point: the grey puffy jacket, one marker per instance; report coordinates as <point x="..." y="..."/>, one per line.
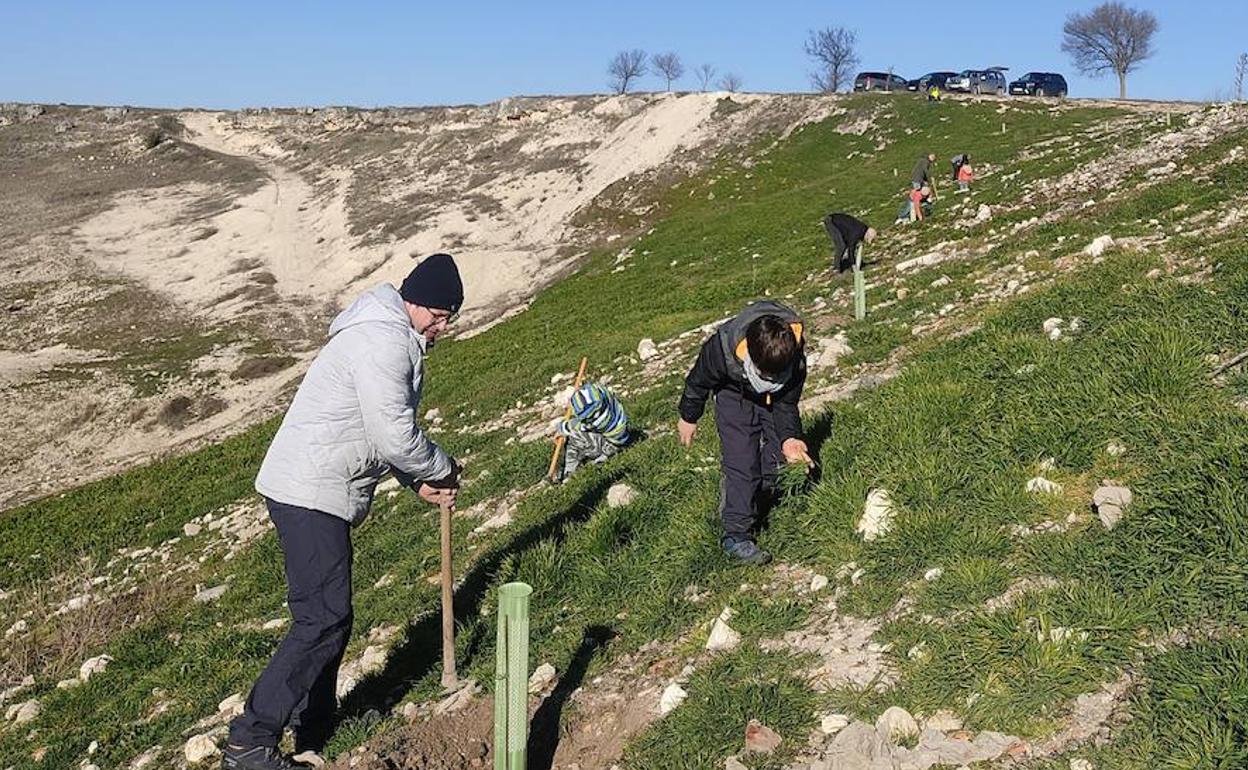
<point x="354" y="415"/>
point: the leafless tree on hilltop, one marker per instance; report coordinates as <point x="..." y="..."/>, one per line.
<point x="669" y="66"/>
<point x="730" y="82"/>
<point x="705" y="74"/>
<point x="1241" y="69"/>
<point x="626" y="67"/>
<point x="1110" y="37"/>
<point x="833" y="49"/>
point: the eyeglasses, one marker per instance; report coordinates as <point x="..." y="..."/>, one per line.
<point x="443" y="315"/>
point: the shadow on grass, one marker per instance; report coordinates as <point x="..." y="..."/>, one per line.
<point x="412" y="660"/>
<point x="544" y="727"/>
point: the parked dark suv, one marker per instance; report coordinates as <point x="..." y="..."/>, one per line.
<point x="937" y="79"/>
<point x="879" y="81"/>
<point x="1039" y="84"/>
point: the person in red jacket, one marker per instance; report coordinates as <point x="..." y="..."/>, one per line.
<point x="755" y="367"/>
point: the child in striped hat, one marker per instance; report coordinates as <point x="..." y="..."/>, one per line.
<point x="597" y="430"/>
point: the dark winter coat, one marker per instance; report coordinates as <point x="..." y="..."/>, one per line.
<point x="720" y="367"/>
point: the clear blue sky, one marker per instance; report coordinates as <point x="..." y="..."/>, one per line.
<point x="229" y="54"/>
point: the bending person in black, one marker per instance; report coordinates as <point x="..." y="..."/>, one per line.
<point x="846" y="233"/>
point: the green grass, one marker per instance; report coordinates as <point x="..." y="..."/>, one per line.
<point x="954" y="439"/>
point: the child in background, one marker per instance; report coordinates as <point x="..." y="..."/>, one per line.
<point x="597" y="429"/>
<point x="917" y="205"/>
<point x="966" y="175"/>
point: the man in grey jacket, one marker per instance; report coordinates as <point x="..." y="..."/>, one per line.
<point x="352" y="420"/>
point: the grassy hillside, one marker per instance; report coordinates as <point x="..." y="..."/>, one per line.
<point x="983" y="399"/>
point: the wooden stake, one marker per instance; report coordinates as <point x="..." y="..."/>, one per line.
<point x="554" y="456"/>
<point x="449" y="678"/>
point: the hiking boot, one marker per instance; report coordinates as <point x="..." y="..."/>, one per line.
<point x="257" y="758"/>
<point x="745" y="551"/>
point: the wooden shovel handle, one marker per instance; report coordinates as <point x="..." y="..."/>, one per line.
<point x="554" y="456"/>
<point x="449" y="678"/>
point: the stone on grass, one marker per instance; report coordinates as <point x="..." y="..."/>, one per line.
<point x="210" y="594"/>
<point x="933" y="574"/>
<point x="833" y="723"/>
<point x="191" y="529"/>
<point x="20" y="713"/>
<point x="1109" y="501"/>
<point x="646" y="349"/>
<point x="231" y="706"/>
<point x="877" y="515"/>
<point x="93" y="666"/>
<point x="620" y="495"/>
<point x="732" y="763"/>
<point x="1043" y="486"/>
<point x="818" y="583"/>
<point x="274" y="624"/>
<point x="200" y="748"/>
<point x="1081" y="764"/>
<point x="1115" y="449"/>
<point x="830" y="351"/>
<point x="1098" y="245"/>
<point x="944" y="721"/>
<point x="761" y="739"/>
<point x="723" y="637"/>
<point x="896" y="724"/>
<point x="672" y="696"/>
<point x="983" y="213"/>
<point x="309" y="758"/>
<point x="542" y="677"/>
<point x="68" y="684"/>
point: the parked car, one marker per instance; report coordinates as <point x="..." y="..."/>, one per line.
<point x="879" y="81"/>
<point x="987" y="81"/>
<point x="937" y="79"/>
<point x="1039" y="84"/>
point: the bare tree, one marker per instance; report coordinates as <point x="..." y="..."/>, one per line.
<point x="669" y="66"/>
<point x="833" y="49"/>
<point x="705" y="74"/>
<point x="1111" y="37"/>
<point x="1241" y="69"/>
<point x="626" y="67"/>
<point x="730" y="82"/>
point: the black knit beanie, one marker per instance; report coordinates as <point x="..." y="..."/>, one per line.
<point x="434" y="283"/>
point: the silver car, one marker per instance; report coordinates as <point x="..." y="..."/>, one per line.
<point x="988" y="81"/>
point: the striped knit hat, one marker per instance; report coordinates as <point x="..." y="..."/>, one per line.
<point x="596" y="409"/>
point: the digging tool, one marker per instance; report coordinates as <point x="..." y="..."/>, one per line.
<point x="559" y="440"/>
<point x="860" y="286"/>
<point x="511" y="677"/>
<point x="449" y="679"/>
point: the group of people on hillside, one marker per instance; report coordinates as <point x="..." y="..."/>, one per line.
<point x="922" y="193"/>
<point x="354" y="419"/>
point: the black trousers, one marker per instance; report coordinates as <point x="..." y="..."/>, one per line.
<point x="750" y="460"/>
<point x="296" y="689"/>
<point x="841" y="255"/>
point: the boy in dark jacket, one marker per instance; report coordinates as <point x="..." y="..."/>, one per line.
<point x="755" y="367"/>
<point x="846" y="233"/>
